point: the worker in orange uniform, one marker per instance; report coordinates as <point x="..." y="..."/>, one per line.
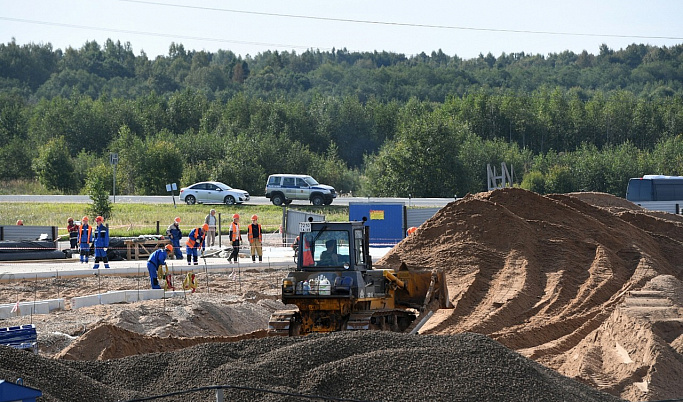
<point x="411" y="230"/>
<point x="255" y="236"/>
<point x="235" y="238"/>
<point x="308" y="251"/>
<point x="195" y="240"/>
<point x="84" y="239"/>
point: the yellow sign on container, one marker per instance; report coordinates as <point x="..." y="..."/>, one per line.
<point x="377" y="215"/>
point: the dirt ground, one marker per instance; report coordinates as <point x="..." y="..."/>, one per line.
<point x="229" y="307"/>
<point x="586" y="284"/>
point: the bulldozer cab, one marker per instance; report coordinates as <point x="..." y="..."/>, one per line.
<point x="333" y="246"/>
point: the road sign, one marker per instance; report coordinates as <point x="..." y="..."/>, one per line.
<point x="114" y="159"/>
<point x="170" y="188"/>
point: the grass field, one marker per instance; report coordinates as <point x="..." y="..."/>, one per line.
<point x="136" y="219"/>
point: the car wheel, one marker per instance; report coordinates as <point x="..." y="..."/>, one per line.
<point x="278" y="199"/>
<point x="229" y="200"/>
<point x="190" y="200"/>
<point x="317" y="200"/>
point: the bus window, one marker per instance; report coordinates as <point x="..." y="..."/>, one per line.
<point x="665" y="192"/>
<point x="639" y="190"/>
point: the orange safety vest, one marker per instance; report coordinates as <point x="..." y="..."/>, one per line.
<point x="235" y="232"/>
<point x="251" y="235"/>
<point x="80" y="232"/>
<point x="191" y="242"/>
<point x="308" y="254"/>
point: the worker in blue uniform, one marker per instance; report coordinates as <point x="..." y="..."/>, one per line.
<point x="101" y="242"/>
<point x="156" y="260"/>
<point x="175" y="234"/>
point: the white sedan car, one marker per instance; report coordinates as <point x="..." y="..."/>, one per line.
<point x="212" y="192"/>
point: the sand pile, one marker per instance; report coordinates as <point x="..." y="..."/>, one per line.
<point x="552" y="277"/>
<point x="108" y="341"/>
<point x="368" y="366"/>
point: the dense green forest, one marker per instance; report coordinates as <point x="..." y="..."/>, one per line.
<point x="377" y="124"/>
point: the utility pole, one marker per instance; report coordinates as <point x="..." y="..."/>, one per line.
<point x="114" y="160"/>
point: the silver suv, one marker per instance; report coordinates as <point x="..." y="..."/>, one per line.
<point x="284" y="188"/>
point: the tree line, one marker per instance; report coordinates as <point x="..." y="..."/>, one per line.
<point x="368" y="123"/>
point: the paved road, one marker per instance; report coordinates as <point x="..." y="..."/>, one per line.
<point x="135" y="199"/>
<point x="281" y="258"/>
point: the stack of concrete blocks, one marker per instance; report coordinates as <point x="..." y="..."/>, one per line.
<point x="29" y="308"/>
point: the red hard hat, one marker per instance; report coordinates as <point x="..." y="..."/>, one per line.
<point x="85" y="219"/>
<point x="236" y="216"/>
<point x="169" y="248"/>
<point x="177" y="219"/>
<point x="99" y="219"/>
<point x="205" y="227"/>
<point x="254" y="217"/>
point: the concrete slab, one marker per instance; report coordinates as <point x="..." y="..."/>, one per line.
<point x="6" y="311"/>
<point x="56" y="304"/>
<point x="113" y="297"/>
<point x="85" y="301"/>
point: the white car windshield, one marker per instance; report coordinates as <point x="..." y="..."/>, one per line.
<point x="311" y="181"/>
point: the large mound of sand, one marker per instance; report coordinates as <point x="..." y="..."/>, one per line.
<point x="552" y="277"/>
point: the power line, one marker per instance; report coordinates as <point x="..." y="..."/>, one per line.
<point x="451" y="27"/>
<point x="257" y="390"/>
<point x="162" y="35"/>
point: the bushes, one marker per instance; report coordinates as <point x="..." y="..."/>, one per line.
<point x="55" y="168"/>
<point x="97" y="186"/>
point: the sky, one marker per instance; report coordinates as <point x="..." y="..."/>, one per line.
<point x="462" y="28"/>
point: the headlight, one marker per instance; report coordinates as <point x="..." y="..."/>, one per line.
<point x="287" y="285"/>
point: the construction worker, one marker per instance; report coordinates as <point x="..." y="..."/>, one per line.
<point x="235" y="237"/>
<point x="156" y="260"/>
<point x="411" y="230"/>
<point x="20" y="222"/>
<point x="73" y="233"/>
<point x="101" y="242"/>
<point x="212" y="222"/>
<point x="308" y="251"/>
<point x="255" y="236"/>
<point x="175" y="234"/>
<point x="295" y="244"/>
<point x="195" y="240"/>
<point x="84" y="239"/>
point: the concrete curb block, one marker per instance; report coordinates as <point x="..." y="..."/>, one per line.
<point x="24" y="308"/>
<point x="123" y="296"/>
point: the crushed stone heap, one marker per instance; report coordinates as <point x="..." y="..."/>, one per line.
<point x="583" y="283"/>
<point x="367" y="365"/>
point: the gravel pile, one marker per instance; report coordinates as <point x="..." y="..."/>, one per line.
<point x="374" y="366"/>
